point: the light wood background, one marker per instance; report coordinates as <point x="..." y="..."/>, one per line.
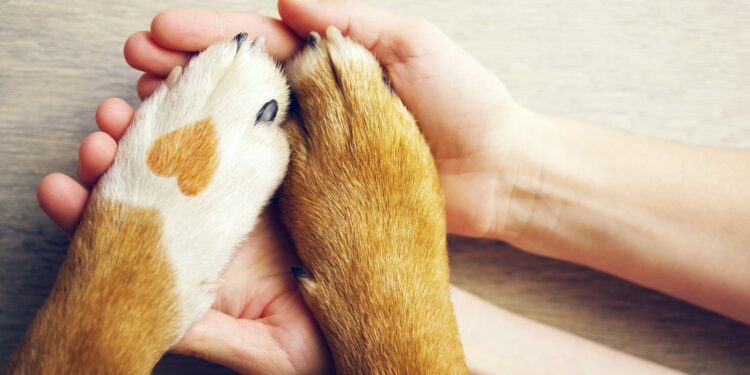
<point x="673" y="69"/>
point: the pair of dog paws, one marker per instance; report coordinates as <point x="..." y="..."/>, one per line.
<point x="210" y="147"/>
<point x="204" y="154"/>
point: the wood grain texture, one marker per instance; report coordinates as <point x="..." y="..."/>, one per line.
<point x="672" y="69"/>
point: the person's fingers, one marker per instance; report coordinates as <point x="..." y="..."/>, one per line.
<point x="192" y="30"/>
<point x="387" y="35"/>
<point x="62" y="199"/>
<point x="246" y="346"/>
<point x="113" y="116"/>
<point x="96" y="154"/>
<point x="147" y="84"/>
<point x="143" y="53"/>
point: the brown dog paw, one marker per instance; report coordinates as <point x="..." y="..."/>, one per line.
<point x="363" y="205"/>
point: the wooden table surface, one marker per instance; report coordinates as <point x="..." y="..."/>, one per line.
<point x="673" y="69"/>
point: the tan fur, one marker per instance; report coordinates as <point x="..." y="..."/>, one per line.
<point x="363" y="205"/>
<point x="93" y="324"/>
<point x="188" y="154"/>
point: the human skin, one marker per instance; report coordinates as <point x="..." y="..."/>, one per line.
<point x="549" y="186"/>
<point x="668" y="216"/>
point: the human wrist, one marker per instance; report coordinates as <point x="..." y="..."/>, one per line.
<point x="517" y="171"/>
<point x="562" y="186"/>
<point x="544" y="170"/>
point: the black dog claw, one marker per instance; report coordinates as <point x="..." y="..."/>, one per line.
<point x="313" y="39"/>
<point x="240" y="38"/>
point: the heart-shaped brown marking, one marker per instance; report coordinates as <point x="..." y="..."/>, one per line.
<point x="188" y="154"/>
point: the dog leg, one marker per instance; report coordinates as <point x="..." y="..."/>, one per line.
<point x="203" y="156"/>
<point x="363" y="205"/>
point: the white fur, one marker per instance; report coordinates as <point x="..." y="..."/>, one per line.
<point x="201" y="232"/>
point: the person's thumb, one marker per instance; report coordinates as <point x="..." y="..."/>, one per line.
<point x="385" y="34"/>
<point x="245" y="346"/>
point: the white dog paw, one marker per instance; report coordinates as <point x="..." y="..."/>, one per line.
<point x="206" y="152"/>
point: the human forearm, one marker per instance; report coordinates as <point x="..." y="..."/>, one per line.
<point x="664" y="215"/>
<point x="497" y="341"/>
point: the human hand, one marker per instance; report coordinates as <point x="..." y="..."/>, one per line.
<point x="431" y="74"/>
<point x="258" y="323"/>
<point x="463" y="110"/>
